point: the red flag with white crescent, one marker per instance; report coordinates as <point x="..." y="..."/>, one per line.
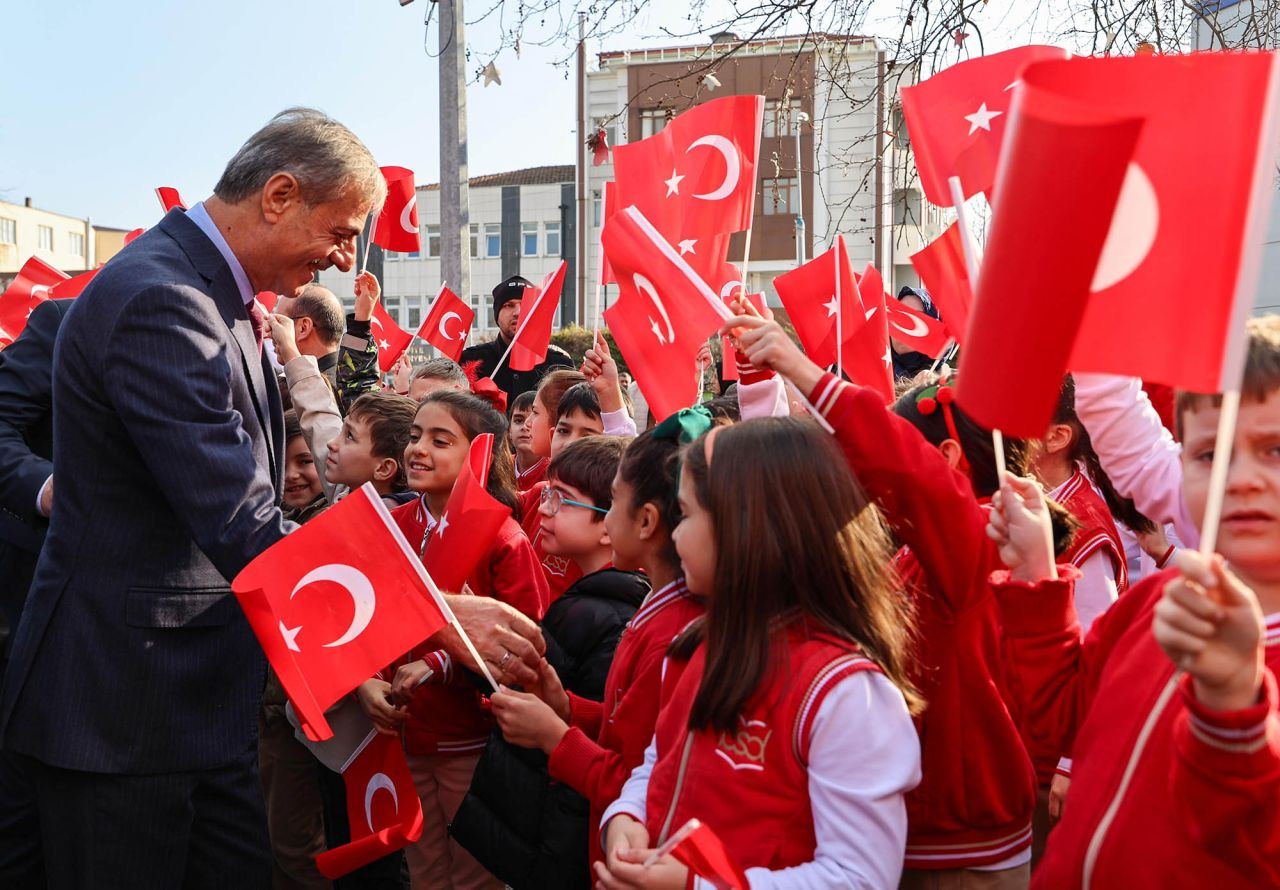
<point x="867" y="360"/>
<point x="819" y="296"/>
<point x="915" y="330"/>
<point x="1136" y="285"/>
<point x="392" y="340"/>
<point x="942" y="268"/>
<point x="537" y="314"/>
<point x="469" y="522"/>
<point x="664" y="313"/>
<point x="397" y="225"/>
<point x="33" y="284"/>
<point x="383" y="807"/>
<point x="957" y="119"/>
<point x="448" y="323"/>
<point x="337" y="600"/>
<point x="169" y="198"/>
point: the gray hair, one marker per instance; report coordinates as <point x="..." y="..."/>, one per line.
<point x="442" y="369"/>
<point x="326" y="158"/>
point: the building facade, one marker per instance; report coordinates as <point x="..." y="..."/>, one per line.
<point x="70" y="244"/>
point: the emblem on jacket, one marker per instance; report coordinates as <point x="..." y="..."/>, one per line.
<point x="745" y="749"/>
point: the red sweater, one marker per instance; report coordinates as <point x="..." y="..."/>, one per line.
<point x="598" y="769"/>
<point x="973" y="806"/>
<point x="561" y="572"/>
<point x="751" y="787"/>
<point x="445" y="714"/>
<point x="1164" y="792"/>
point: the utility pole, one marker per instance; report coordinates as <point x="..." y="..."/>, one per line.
<point x="584" y="224"/>
<point x="455" y="202"/>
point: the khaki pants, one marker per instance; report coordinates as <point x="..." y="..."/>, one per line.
<point x="967" y="879"/>
<point x="295" y="812"/>
<point x="436" y="861"/>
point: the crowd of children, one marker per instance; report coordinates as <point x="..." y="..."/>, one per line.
<point x="863" y="658"/>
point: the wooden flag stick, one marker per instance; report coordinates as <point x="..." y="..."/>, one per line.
<point x="942" y="356"/>
<point x="1218" y="472"/>
<point x="971" y="265"/>
<point x="674" y="841"/>
<point x="524" y="320"/>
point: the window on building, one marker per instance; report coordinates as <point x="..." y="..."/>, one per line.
<point x="597" y="208"/>
<point x="76" y="245"/>
<point x="433" y="240"/>
<point x="529" y="239"/>
<point x="415" y="317"/>
<point x="780" y="196"/>
<point x="475" y="240"/>
<point x="493" y="240"/>
<point x="45" y="237"/>
<point x="653" y="120"/>
<point x="898" y="123"/>
<point x="777" y="118"/>
<point x="8" y="231"/>
<point x="553" y="239"/>
<point x="390" y="256"/>
<point x="906" y="207"/>
<point x="478" y="307"/>
<point x="392" y="305"/>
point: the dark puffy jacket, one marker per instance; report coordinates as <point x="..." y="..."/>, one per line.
<point x="526" y="829"/>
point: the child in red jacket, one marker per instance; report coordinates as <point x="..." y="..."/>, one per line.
<point x="1175" y="775"/>
<point x="594" y="746"/>
<point x="926" y="466"/>
<point x="445" y="728"/>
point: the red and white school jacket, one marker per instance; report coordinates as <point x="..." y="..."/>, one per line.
<point x="809" y="791"/>
<point x="1164" y="792"/>
<point x="606" y="740"/>
<point x="445" y="714"/>
<point x="973" y="806"/>
<point x="527" y="479"/>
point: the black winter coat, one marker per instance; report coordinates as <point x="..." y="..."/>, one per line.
<point x="528" y="830"/>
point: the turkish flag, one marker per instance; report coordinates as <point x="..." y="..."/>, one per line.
<point x="169" y="198"/>
<point x="1117" y="148"/>
<point x="448" y="323"/>
<point x="469" y="523"/>
<point x="957" y="119"/>
<point x="130" y="237"/>
<point x="337" y="600"/>
<point x="72" y="287"/>
<point x="267" y="300"/>
<point x="867" y="360"/>
<point x="30" y="287"/>
<point x="397" y="224"/>
<point x="537" y="314"/>
<point x="704" y="853"/>
<point x="663" y="315"/>
<point x="382" y="807"/>
<point x="697" y="175"/>
<point x="941" y="266"/>
<point x="818" y="294"/>
<point x="392" y="339"/>
<point x="608" y="205"/>
<point x="915" y="330"/>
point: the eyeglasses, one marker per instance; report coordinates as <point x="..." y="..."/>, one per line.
<point x="553" y="499"/>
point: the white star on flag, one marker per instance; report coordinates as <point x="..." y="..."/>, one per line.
<point x="981" y="119"/>
<point x="831" y="307"/>
<point x="442" y="524"/>
<point x="673" y="184"/>
<point x="888" y="360"/>
<point x="383" y="344"/>
<point x="686" y="246"/>
<point x="657" y="331"/>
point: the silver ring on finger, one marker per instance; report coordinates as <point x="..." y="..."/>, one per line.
<point x="502" y="665"/>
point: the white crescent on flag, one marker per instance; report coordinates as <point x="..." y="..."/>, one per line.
<point x="917" y="329"/>
<point x="1134" y="224"/>
<point x="354" y="582"/>
<point x="729" y="289"/>
<point x="377" y="782"/>
<point x="406" y="216"/>
<point x="645" y="286"/>
<point x="444" y="333"/>
<point x="732" y="165"/>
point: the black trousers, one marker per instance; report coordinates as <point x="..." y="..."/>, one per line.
<point x="200" y="829"/>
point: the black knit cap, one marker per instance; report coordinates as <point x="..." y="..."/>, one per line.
<point x="511" y="289"/>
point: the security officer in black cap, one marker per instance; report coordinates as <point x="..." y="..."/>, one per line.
<point x="479" y="360"/>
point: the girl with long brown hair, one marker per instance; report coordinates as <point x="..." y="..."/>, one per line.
<point x="789" y="732"/>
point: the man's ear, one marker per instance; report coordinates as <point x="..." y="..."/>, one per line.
<point x="281" y="191"/>
<point x="302" y="328"/>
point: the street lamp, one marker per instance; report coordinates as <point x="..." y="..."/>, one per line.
<point x="800" y="118"/>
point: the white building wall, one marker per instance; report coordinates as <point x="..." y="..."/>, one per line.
<point x="24" y="224"/>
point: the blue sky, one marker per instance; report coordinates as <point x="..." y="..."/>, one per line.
<point x="105" y="101"/>
<point x="102" y="102"/>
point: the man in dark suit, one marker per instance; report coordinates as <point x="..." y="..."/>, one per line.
<point x="26" y="496"/>
<point x="134" y="680"/>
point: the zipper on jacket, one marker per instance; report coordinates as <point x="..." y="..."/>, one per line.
<point x="675" y="793"/>
<point x="1099" y="834"/>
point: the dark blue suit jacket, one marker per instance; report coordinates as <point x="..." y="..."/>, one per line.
<point x="26" y="450"/>
<point x="132" y="655"/>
